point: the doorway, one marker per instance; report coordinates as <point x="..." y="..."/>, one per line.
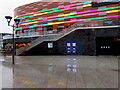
<point x="71" y="48"/>
<point x="107" y="46"/>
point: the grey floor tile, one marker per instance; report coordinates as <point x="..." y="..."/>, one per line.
<point x="52" y="72"/>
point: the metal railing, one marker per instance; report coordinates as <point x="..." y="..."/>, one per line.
<point x="49" y="37"/>
<point x="7" y="37"/>
<point x="36" y="42"/>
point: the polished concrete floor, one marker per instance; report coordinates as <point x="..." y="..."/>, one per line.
<point x="60" y="72"/>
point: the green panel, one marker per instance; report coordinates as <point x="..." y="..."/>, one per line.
<point x="48" y="9"/>
<point x="26" y="16"/>
<point x="36" y="19"/>
<point x="95" y="18"/>
<point x="67" y="17"/>
<point x="43" y="10"/>
<point x="56" y="11"/>
<point x="18" y="28"/>
<point x="77" y="16"/>
<point x="73" y="16"/>
<point x="53" y="8"/>
<point x="108" y="8"/>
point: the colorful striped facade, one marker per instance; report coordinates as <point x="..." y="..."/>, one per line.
<point x="43" y="17"/>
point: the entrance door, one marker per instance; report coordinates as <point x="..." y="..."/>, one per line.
<point x="107" y="46"/>
<point x="72" y="47"/>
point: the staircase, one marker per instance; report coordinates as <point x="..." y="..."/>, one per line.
<point x="48" y="37"/>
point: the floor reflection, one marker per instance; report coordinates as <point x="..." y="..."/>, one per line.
<point x="71" y="65"/>
<point x="60" y="72"/>
<point x="7" y="75"/>
<point x="0" y="75"/>
<point x="31" y="79"/>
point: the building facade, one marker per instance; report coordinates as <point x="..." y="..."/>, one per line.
<point x="58" y="17"/>
<point x="53" y="17"/>
<point x="4" y="36"/>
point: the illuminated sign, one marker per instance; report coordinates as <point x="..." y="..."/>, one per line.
<point x="71" y="65"/>
<point x="116" y="39"/>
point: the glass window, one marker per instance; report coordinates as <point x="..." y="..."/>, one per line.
<point x="60" y="26"/>
<point x="17" y="33"/>
<point x="35" y="8"/>
<point x="23" y="11"/>
<point x="73" y="12"/>
<point x="50" y="31"/>
<point x="55" y="0"/>
<point x="19" y="10"/>
<point x="39" y="28"/>
<point x="61" y="3"/>
<point x="73" y="1"/>
<point x="40" y="4"/>
<point x="31" y="7"/>
<point x="50" y="45"/>
<point x="49" y="2"/>
<point x="32" y="31"/>
<point x="26" y="32"/>
<point x="44" y="5"/>
<point x="36" y="31"/>
<point x="67" y="7"/>
<point x="27" y="7"/>
<point x="44" y="8"/>
<point x="60" y="13"/>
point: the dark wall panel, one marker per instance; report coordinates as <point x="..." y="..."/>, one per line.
<point x="85" y="39"/>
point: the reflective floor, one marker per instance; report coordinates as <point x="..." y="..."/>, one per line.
<point x="60" y="72"/>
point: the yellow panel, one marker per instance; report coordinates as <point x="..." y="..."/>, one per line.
<point x="37" y="14"/>
<point x="59" y="22"/>
<point x="67" y="14"/>
<point x="55" y="23"/>
<point x="40" y="13"/>
<point x="61" y="15"/>
<point x="70" y="14"/>
<point x="31" y="13"/>
<point x="15" y="17"/>
<point x="50" y="23"/>
<point x="29" y="23"/>
<point x="45" y="13"/>
<point x="113" y="11"/>
<point x="87" y="5"/>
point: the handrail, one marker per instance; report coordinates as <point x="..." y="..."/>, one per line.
<point x="45" y="38"/>
<point x="36" y="42"/>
